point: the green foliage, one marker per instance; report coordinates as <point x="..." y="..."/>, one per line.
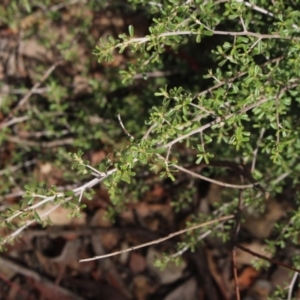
<point x="247" y="83"/>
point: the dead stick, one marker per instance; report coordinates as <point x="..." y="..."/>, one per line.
<point x="276" y="262"/>
<point x="160" y="240"/>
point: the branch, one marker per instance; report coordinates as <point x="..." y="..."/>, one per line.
<point x="143" y="40"/>
<point x="276" y="262"/>
<point x="158" y="241"/>
<point x="229" y="185"/>
<point x="222" y="119"/>
<point x="77" y="192"/>
<point x="262" y="132"/>
<point x="37" y="85"/>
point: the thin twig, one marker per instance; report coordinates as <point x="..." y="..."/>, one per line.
<point x="143" y="40"/>
<point x="243" y="24"/>
<point x="234" y="241"/>
<point x="273" y="261"/>
<point x="227" y="81"/>
<point x="37" y="85"/>
<point x="14" y="121"/>
<point x="18" y="167"/>
<point x="203" y="108"/>
<point x="155" y="74"/>
<point x="221" y="119"/>
<point x="55" y="143"/>
<point x="232" y="79"/>
<point x="291" y="286"/>
<point x="77" y="191"/>
<point x="228" y="185"/>
<point x="199" y="238"/>
<point x="63" y="5"/>
<point x="25" y="91"/>
<point x="146" y="135"/>
<point x="262" y="132"/>
<point x="264" y="11"/>
<point x="21" y="192"/>
<point x="39" y="134"/>
<point x="123" y="127"/>
<point x="80" y="196"/>
<point x="160" y="240"/>
<point x="235" y="274"/>
<point x="281" y="177"/>
<point x="259" y="9"/>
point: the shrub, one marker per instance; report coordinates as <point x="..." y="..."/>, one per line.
<point x="211" y="86"/>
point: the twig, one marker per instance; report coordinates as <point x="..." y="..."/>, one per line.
<point x="63" y="5"/>
<point x="203" y="108"/>
<point x="143" y="40"/>
<point x="123" y="127"/>
<point x="276" y="262"/>
<point x="76" y="191"/>
<point x="227" y="81"/>
<point x="199" y="238"/>
<point x="80" y="196"/>
<point x="146" y="135"/>
<point x="55" y="143"/>
<point x="234" y="241"/>
<point x="37" y="85"/>
<point x="262" y="132"/>
<point x="158" y="241"/>
<point x="264" y="11"/>
<point x="232" y="79"/>
<point x="281" y="177"/>
<point x="220" y="119"/>
<point x="39" y="134"/>
<point x="291" y="286"/>
<point x="31" y="222"/>
<point x="253" y="45"/>
<point x="154" y="74"/>
<point x="18" y="167"/>
<point x="259" y="9"/>
<point x="243" y="24"/>
<point x="229" y="185"/>
<point x="14" y="121"/>
<point x="21" y="192"/>
<point x="235" y="274"/>
<point x="25" y="91"/>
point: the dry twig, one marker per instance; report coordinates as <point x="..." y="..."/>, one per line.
<point x="160" y="240"/>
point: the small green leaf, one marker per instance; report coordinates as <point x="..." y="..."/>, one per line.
<point x="131" y="30"/>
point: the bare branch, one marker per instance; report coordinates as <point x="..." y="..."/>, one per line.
<point x="158" y="241"/>
<point x="268" y="259"/>
<point x="256" y="149"/>
<point x="228" y="185"/>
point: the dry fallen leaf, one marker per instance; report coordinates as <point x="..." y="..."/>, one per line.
<point x="247" y="277"/>
<point x="137" y="262"/>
